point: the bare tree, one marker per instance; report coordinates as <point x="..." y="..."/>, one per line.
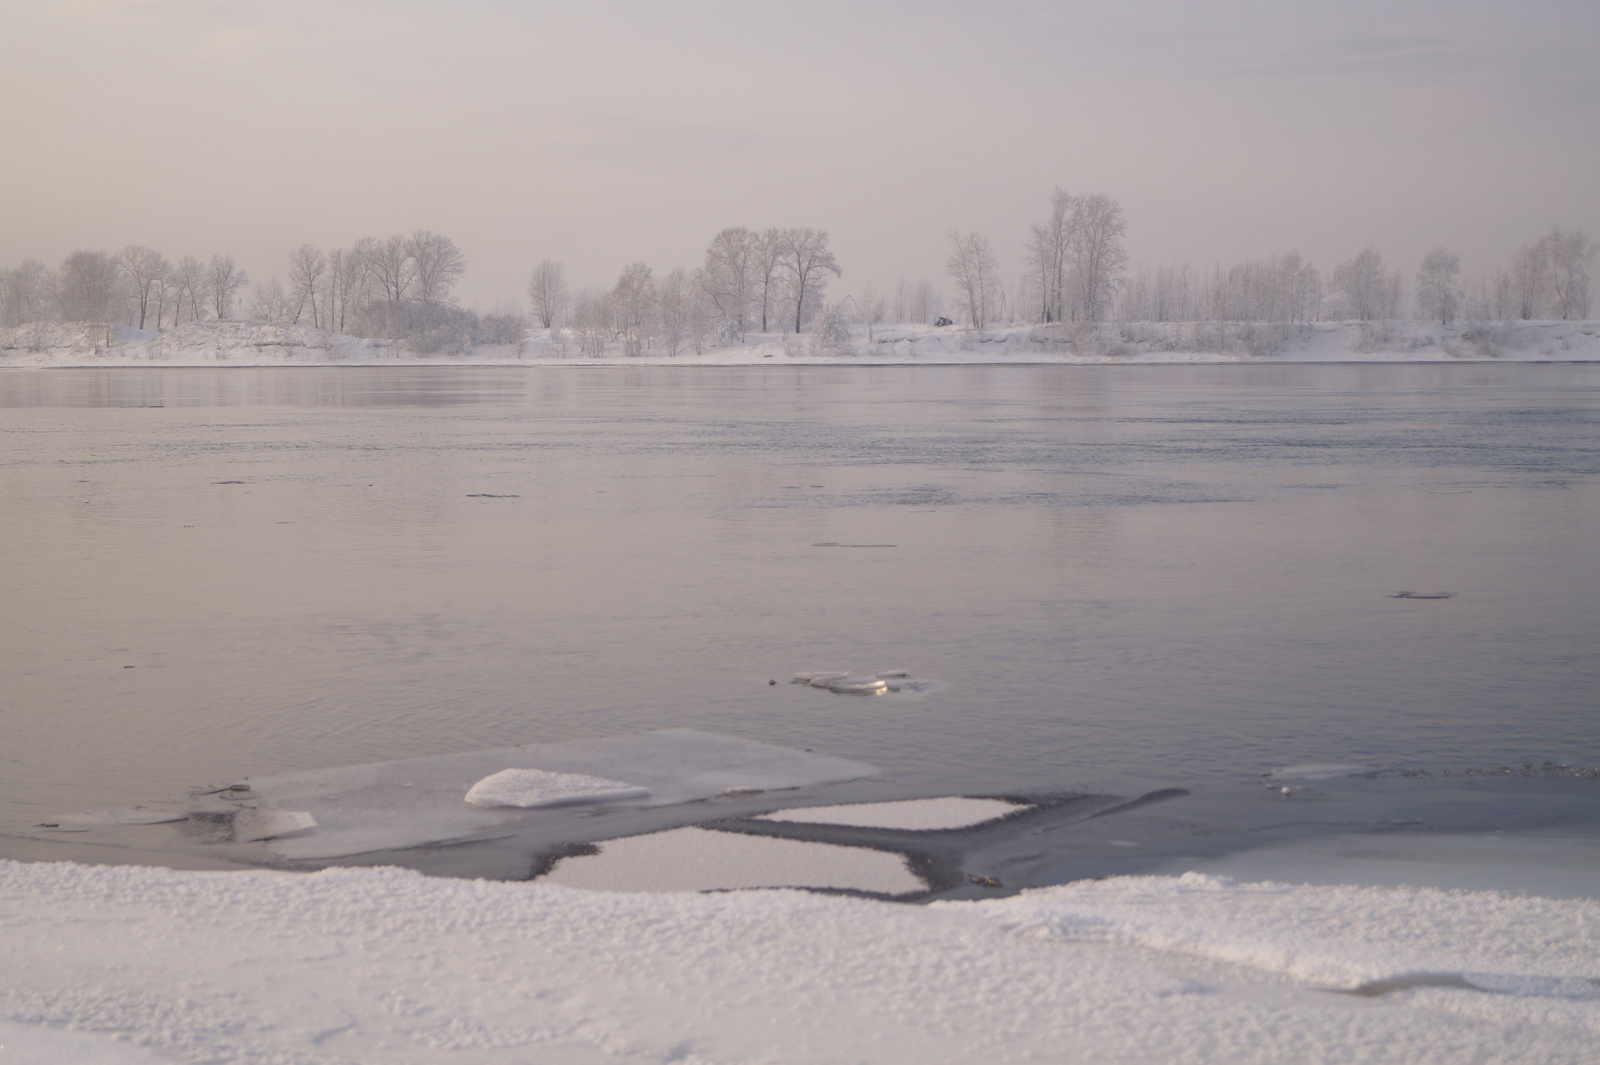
<point x="223" y="279"/>
<point x="547" y="292"/>
<point x="1369" y="293"/>
<point x="634" y="301"/>
<point x="806" y="261"/>
<point x="25" y="293"/>
<point x="1438" y="295"/>
<point x="1096" y="252"/>
<point x="766" y="273"/>
<point x="675" y="296"/>
<point x="307" y="267"/>
<point x="189" y="281"/>
<point x="89" y="287"/>
<point x="730" y="280"/>
<point x="437" y="264"/>
<point x="144" y="268"/>
<point x="973" y="267"/>
<point x="1570" y="253"/>
<point x="870" y="307"/>
<point x="592" y="319"/>
<point x="1046" y="257"/>
<point x="270" y="303"/>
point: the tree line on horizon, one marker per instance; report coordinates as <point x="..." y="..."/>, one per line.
<point x="775" y="281"/>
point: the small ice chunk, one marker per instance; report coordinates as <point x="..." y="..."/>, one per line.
<point x="256" y="823"/>
<point x="825" y="677"/>
<point x="913" y="814"/>
<point x="853" y="685"/>
<point x="893" y="674"/>
<point x="537" y="787"/>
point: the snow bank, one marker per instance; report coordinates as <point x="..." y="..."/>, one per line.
<point x="45" y="344"/>
<point x="381" y="965"/>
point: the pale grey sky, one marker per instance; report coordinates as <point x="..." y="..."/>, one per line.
<point x="605" y="131"/>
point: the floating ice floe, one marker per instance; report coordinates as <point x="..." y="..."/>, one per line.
<point x="418" y="801"/>
<point x="844" y="682"/>
<point x="699" y="859"/>
<point x="528" y="788"/>
<point x="912" y="814"/>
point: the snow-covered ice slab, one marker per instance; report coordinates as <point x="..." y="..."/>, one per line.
<point x="527" y="788"/>
<point x="417" y="801"/>
<point x="913" y="814"/>
<point x="698" y="859"/>
<point x="35" y="1044"/>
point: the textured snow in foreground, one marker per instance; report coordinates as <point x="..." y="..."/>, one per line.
<point x="382" y="965"/>
<point x="913" y="814"/>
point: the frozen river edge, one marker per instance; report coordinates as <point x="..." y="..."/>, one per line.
<point x="46" y="345"/>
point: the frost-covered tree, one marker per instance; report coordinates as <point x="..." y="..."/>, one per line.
<point x="1076" y="258"/>
<point x="1571" y="252"/>
<point x="436" y="265"/>
<point x="547" y="292"/>
<point x="1096" y="252"/>
<point x="976" y="272"/>
<point x="830" y="335"/>
<point x="592" y="320"/>
<point x="308" y="268"/>
<point x="189" y="285"/>
<point x="870" y="307"/>
<point x="633" y="301"/>
<point x="767" y="274"/>
<point x="1438" y="295"/>
<point x="89" y="287"/>
<point x="144" y="270"/>
<point x="1362" y="288"/>
<point x="806" y="262"/>
<point x="729" y="278"/>
<point x="270" y="303"/>
<point x="25" y="293"/>
<point x="223" y="280"/>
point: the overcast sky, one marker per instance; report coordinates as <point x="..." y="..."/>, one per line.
<point x="604" y="131"/>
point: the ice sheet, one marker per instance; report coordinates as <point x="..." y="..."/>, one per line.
<point x="390" y="805"/>
<point x="697" y="859"/>
<point x="35" y="1044"/>
<point x="915" y="814"/>
<point x="527" y="788"/>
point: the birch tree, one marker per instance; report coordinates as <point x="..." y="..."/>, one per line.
<point x="973" y="267"/>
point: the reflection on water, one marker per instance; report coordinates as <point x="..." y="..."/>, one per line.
<point x="1175" y="571"/>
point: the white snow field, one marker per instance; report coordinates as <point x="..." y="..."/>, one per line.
<point x="60" y="344"/>
<point x="116" y="964"/>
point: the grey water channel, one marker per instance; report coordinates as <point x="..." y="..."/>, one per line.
<point x="1180" y="575"/>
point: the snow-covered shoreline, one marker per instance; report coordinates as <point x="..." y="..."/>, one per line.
<point x="45" y="345"/>
<point x="386" y="965"/>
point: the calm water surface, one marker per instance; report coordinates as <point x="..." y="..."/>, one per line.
<point x="1176" y="572"/>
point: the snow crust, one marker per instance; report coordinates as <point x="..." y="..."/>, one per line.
<point x="913" y="814"/>
<point x="383" y="965"/>
<point x="44" y="344"/>
<point x="535" y="787"/>
<point x="698" y="859"/>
